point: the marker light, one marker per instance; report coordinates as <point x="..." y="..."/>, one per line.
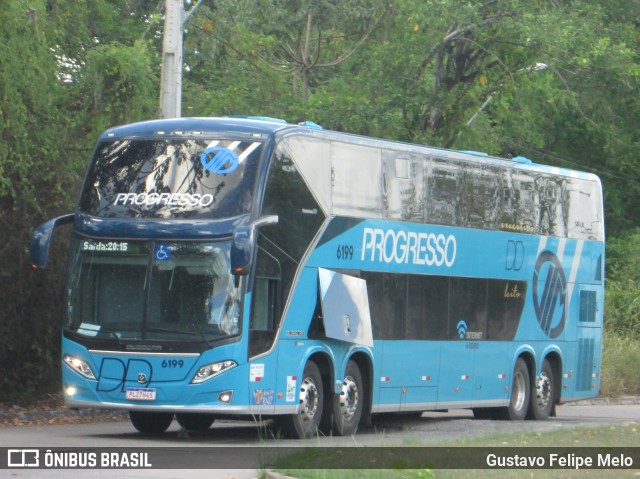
<point x="212" y="370"/>
<point x="80" y="366"/>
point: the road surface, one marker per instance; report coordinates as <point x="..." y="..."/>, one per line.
<point x="432" y="427"/>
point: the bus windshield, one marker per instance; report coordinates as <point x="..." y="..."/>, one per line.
<point x="137" y="290"/>
<point x="171" y="178"/>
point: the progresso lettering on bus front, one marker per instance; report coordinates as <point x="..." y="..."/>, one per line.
<point x="408" y="247"/>
<point x="163" y="199"/>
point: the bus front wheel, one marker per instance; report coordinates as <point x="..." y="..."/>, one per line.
<point x="348" y="405"/>
<point x="195" y="421"/>
<point x="151" y="422"/>
<point x="304" y="425"/>
<point x="520" y="393"/>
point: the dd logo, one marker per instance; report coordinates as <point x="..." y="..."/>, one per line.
<point x="515" y="255"/>
<point x="550" y="294"/>
<point x="116" y="373"/>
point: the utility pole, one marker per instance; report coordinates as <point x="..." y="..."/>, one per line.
<point x="171" y="76"/>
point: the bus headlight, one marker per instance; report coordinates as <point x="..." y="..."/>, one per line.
<point x="212" y="370"/>
<point x="79" y="365"/>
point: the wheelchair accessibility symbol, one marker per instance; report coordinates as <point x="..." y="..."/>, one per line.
<point x="162" y="252"/>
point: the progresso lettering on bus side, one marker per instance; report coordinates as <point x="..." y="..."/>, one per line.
<point x="408" y="247"/>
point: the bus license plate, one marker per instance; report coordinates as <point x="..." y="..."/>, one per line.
<point x="141" y="394"/>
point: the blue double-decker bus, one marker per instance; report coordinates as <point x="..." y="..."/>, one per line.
<point x="232" y="266"/>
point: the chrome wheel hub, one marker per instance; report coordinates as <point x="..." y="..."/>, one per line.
<point x="308" y="400"/>
<point x="349" y="398"/>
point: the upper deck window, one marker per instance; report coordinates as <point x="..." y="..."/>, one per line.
<point x="171" y="178"/>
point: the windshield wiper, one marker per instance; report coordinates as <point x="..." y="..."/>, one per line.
<point x="195" y="332"/>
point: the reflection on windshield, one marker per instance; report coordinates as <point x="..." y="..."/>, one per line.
<point x="152" y="291"/>
<point x="171" y="178"/>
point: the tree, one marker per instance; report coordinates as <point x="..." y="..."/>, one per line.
<point x="55" y="55"/>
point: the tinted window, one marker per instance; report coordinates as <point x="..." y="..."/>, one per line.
<point x="505" y="302"/>
<point x="280" y="247"/>
<point x="416" y="307"/>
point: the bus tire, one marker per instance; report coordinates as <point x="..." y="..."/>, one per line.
<point x="520" y="393"/>
<point x="196" y="421"/>
<point x="543" y="393"/>
<point x="304" y="425"/>
<point x="151" y="422"/>
<point x="349" y="404"/>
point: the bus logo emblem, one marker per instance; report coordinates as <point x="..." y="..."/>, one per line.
<point x="550" y="294"/>
<point x="462" y="329"/>
<point x="219" y="160"/>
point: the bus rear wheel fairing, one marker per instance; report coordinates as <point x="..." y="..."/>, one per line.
<point x="151" y="422"/>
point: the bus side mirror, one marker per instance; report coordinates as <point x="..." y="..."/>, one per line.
<point x="241" y="251"/>
<point x="243" y="238"/>
<point x="41" y="240"/>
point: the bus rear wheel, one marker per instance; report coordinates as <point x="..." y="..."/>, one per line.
<point x="304" y="425"/>
<point x="348" y="405"/>
<point x="520" y="394"/>
<point x="543" y="393"/>
<point x="151" y="422"/>
<point x="195" y="422"/>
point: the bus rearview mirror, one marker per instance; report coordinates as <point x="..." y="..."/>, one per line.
<point x="243" y="238"/>
<point x="41" y="240"/>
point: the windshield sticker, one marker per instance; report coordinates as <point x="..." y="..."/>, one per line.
<point x="221" y="160"/>
<point x="162" y="252"/>
<point x="256" y="372"/>
<point x="263" y="397"/>
<point x="87" y="329"/>
<point x="291" y="388"/>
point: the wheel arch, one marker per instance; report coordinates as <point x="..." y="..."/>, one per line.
<point x="364" y="361"/>
<point x="529" y="358"/>
<point x="554" y="357"/>
<point x="325" y="362"/>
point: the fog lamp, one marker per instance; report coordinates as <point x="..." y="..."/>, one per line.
<point x="225" y="397"/>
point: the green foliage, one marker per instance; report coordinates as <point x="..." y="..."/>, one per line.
<point x="620" y="359"/>
<point x="48" y="72"/>
<point x="622" y="313"/>
<point x="121" y="85"/>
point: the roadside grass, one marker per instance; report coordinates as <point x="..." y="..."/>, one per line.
<point x="620" y="360"/>
<point x="626" y="435"/>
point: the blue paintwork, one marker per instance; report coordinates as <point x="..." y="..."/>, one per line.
<point x="125" y="228"/>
